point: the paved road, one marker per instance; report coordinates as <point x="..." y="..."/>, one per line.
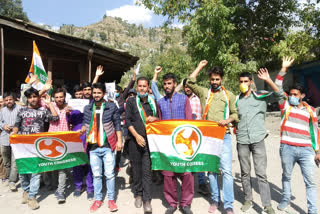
<point x="10" y="201"/>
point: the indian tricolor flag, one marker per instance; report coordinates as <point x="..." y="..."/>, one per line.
<point x="48" y="151"/>
<point x="37" y="68"/>
<point x="185" y="145"/>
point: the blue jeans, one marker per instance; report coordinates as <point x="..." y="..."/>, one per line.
<point x="304" y="156"/>
<point x="30" y="183"/>
<point x="98" y="157"/>
<point x="227" y="178"/>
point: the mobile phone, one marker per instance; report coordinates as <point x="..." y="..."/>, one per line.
<point x="317" y="163"/>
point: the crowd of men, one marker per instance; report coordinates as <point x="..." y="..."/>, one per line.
<point x="105" y="122"/>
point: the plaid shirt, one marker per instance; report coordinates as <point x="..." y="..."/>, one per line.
<point x="62" y="123"/>
<point x="195" y="106"/>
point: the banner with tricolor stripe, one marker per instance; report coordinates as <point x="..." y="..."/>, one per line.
<point x="37" y="69"/>
<point x="185" y="145"/>
<point x="48" y="151"/>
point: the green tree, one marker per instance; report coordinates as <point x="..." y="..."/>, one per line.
<point x="103" y="36"/>
<point x="13" y="9"/>
<point x="67" y="29"/>
<point x="300" y="45"/>
<point x="235" y="34"/>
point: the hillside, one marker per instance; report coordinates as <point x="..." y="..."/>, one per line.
<point x="119" y="34"/>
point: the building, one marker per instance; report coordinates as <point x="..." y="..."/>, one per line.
<point x="71" y="60"/>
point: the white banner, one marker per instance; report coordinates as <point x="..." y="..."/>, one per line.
<point x="78" y="104"/>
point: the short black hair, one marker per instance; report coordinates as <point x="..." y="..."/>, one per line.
<point x="31" y="91"/>
<point x="77" y="88"/>
<point x="299" y="87"/>
<point x="100" y="86"/>
<point x="184" y="82"/>
<point x="143" y="78"/>
<point x="217" y="70"/>
<point x="86" y="84"/>
<point x="246" y="74"/>
<point x="59" y="90"/>
<point x="168" y="76"/>
<point x="118" y="88"/>
<point x="9" y="94"/>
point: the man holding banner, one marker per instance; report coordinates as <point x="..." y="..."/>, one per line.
<point x="218" y="105"/>
<point x="60" y="105"/>
<point x="31" y="120"/>
<point x="139" y="111"/>
<point x="176" y="106"/>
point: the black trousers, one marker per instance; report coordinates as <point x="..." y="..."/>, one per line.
<point x="141" y="170"/>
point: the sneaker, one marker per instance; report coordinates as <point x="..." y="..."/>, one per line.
<point x="213" y="207"/>
<point x="25" y="196"/>
<point x="283" y="206"/>
<point x="12" y="187"/>
<point x="96" y="204"/>
<point x="147" y="208"/>
<point x="269" y="210"/>
<point x="60" y="197"/>
<point x="112" y="206"/>
<point x="246" y="206"/>
<point x="138" y="202"/>
<point x="203" y="189"/>
<point x="77" y="193"/>
<point x="186" y="210"/>
<point x="229" y="211"/>
<point x="33" y="203"/>
<point x="90" y="196"/>
<point x="170" y="210"/>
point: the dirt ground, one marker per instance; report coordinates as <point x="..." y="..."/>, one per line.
<point x="10" y="201"/>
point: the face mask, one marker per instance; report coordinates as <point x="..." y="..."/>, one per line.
<point x="244" y="88"/>
<point x="294" y="100"/>
<point x="117" y="95"/>
<point x="142" y="95"/>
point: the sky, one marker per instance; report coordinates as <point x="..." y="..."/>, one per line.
<point x="86" y="12"/>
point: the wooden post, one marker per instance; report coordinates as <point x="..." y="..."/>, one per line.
<point x="2" y="60"/>
<point x="49" y="68"/>
<point x="90" y="54"/>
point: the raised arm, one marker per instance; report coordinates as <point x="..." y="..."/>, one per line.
<point x="201" y="65"/>
<point x="54" y="115"/>
<point x="157" y="70"/>
<point x="47" y="86"/>
<point x="286" y="63"/>
<point x="33" y="79"/>
<point x="263" y="74"/>
<point x="99" y="73"/>
<point x="129" y="86"/>
<point x="154" y="86"/>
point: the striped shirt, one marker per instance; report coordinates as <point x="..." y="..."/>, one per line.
<point x="61" y="124"/>
<point x="7" y="117"/>
<point x="195" y="107"/>
<point x="296" y="130"/>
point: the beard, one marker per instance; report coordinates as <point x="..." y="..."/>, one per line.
<point x="169" y="93"/>
<point x="99" y="100"/>
<point x="215" y="86"/>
